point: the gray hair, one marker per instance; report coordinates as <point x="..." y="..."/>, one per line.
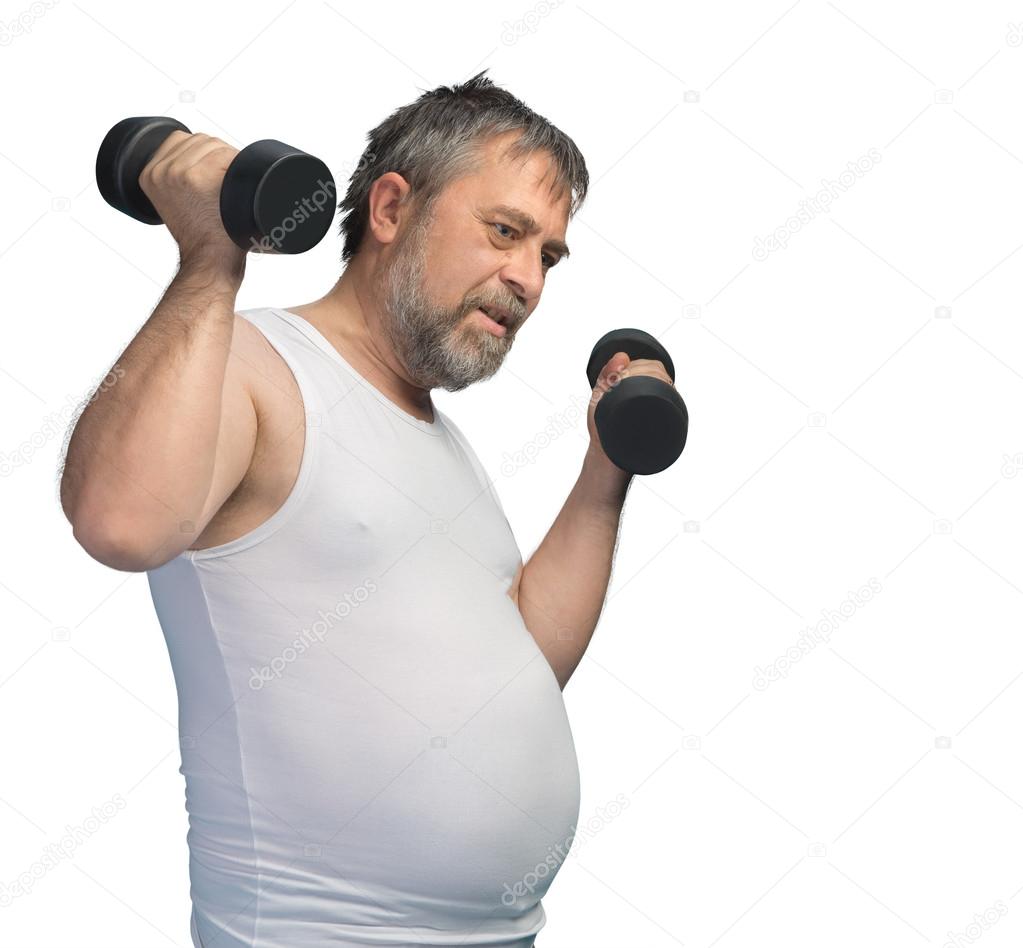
<point x="439" y="138"/>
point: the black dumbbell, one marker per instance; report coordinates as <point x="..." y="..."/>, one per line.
<point x="274" y="199"/>
<point x="642" y="422"/>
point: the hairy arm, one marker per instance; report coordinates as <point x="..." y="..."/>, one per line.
<point x="154" y="455"/>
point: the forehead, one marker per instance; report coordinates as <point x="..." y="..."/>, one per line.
<point x="524" y="182"/>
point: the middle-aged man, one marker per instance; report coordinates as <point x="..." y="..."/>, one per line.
<point x="372" y="727"/>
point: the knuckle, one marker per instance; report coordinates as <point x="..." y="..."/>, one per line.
<point x="155" y="174"/>
<point x="194" y="175"/>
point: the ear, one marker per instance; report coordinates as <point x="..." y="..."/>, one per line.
<point x="388" y="196"/>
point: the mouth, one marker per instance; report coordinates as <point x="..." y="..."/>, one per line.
<point x="501" y="316"/>
<point x="496" y="319"/>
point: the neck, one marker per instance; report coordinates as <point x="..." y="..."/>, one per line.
<point x="351" y="316"/>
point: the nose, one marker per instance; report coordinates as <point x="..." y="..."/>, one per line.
<point x="523" y="275"/>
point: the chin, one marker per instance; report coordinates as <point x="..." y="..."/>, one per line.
<point x="456" y="384"/>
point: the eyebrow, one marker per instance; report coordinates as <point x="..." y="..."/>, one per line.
<point x="528" y="224"/>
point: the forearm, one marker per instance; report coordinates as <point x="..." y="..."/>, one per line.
<point x="144" y="446"/>
<point x="564" y="584"/>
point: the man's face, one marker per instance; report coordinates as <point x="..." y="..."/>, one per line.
<point x="468" y="255"/>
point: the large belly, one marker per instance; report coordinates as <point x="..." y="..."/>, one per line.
<point x="437" y="766"/>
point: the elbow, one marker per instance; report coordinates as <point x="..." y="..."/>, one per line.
<point x="118" y="545"/>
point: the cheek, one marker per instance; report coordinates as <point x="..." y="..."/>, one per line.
<point x="458" y="276"/>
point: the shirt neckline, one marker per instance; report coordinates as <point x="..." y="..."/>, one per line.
<point x="318" y="339"/>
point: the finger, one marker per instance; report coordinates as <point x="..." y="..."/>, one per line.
<point x="610" y="375"/>
<point x="652" y="368"/>
<point x="197" y="154"/>
<point x="171" y="145"/>
<point x="184" y="146"/>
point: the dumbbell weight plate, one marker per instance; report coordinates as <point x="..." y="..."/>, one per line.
<point x="642" y="424"/>
<point x="276" y="198"/>
<point x="124" y="152"/>
<point x="635" y="342"/>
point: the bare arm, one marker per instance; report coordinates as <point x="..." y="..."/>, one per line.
<point x="560" y="591"/>
<point x="154" y="455"/>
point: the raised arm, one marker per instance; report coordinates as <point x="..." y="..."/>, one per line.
<point x="154" y="455"/>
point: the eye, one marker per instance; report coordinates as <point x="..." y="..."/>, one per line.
<point x="553" y="261"/>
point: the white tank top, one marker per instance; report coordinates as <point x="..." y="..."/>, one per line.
<point x="375" y="750"/>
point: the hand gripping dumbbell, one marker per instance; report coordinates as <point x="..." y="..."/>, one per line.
<point x="274" y="198"/>
<point x="642" y="421"/>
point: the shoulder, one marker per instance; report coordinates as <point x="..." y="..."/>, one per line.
<point x="249" y="346"/>
<point x="263" y="371"/>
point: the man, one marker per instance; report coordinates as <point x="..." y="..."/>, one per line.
<point x="373" y="733"/>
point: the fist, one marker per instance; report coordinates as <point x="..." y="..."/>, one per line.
<point x="183" y="180"/>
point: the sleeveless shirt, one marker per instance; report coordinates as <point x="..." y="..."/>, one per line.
<point x="375" y="750"/>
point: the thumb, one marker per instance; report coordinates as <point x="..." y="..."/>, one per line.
<point x="609" y="375"/>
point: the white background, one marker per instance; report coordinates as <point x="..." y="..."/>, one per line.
<point x="855" y="417"/>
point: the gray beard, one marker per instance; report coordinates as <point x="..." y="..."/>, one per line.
<point x="436" y="351"/>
